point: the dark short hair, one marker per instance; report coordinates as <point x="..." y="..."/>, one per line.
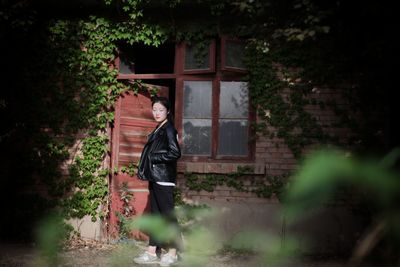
<point x="165" y="102"/>
<point x="162" y="100"/>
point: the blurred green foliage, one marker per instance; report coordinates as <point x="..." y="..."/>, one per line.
<point x="51" y="233"/>
<point x="325" y="171"/>
<point x="376" y="183"/>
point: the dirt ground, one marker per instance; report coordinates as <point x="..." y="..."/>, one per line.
<point x="98" y="254"/>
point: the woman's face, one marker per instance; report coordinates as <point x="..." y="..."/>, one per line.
<point x="159" y="112"/>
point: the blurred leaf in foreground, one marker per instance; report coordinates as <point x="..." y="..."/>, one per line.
<point x="324" y="171"/>
<point x="272" y="249"/>
<point x="158" y="226"/>
<point x="50" y="235"/>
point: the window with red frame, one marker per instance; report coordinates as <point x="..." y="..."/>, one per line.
<point x="197" y="59"/>
<point x="232" y="55"/>
<point x="215" y="106"/>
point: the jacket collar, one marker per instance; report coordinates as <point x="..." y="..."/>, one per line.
<point x="156" y="131"/>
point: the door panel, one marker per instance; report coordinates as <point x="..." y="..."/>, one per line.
<point x="133" y="122"/>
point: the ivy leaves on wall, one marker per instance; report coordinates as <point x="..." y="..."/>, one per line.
<point x="89" y="48"/>
<point x="240" y="180"/>
<point x="279" y="99"/>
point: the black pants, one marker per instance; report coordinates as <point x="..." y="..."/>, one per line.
<point x="162" y="203"/>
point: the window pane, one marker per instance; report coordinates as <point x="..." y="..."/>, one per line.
<point x="196" y="58"/>
<point x="234" y="100"/>
<point x="233" y="119"/>
<point x="197" y="137"/>
<point x="197" y="99"/>
<point x="234" y="54"/>
<point x="233" y="136"/>
<point x="197" y="117"/>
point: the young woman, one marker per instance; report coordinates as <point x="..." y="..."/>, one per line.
<point x="158" y="166"/>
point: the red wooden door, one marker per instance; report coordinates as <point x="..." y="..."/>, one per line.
<point x="133" y="122"/>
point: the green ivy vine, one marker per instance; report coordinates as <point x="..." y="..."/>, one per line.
<point x="284" y="110"/>
<point x="89" y="49"/>
<point x="127" y="211"/>
<point x="266" y="186"/>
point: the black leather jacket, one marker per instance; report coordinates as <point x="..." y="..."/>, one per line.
<point x="160" y="155"/>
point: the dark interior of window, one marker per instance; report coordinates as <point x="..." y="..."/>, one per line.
<point x="145" y="59"/>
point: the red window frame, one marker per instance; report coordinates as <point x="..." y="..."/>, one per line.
<point x="224" y="40"/>
<point x="216" y="79"/>
<point x="216" y="76"/>
<point x="179" y="97"/>
<point x="181" y="48"/>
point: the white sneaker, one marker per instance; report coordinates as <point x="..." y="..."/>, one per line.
<point x="146" y="258"/>
<point x="168" y="259"/>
